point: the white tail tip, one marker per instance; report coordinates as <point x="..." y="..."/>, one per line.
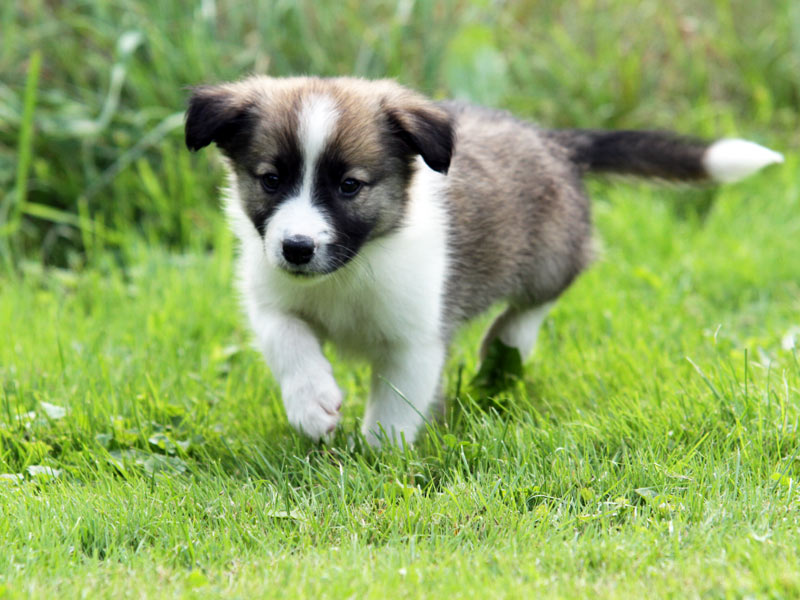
<point x="731" y="160"/>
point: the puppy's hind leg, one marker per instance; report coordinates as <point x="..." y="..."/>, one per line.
<point x="518" y="328"/>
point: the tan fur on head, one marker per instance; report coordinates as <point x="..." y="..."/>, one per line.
<point x="216" y="111"/>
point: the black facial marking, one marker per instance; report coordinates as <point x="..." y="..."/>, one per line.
<point x="351" y="223"/>
<point x="288" y="165"/>
<point x="259" y="215"/>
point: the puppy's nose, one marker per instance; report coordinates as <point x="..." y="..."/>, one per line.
<point x="298" y="249"/>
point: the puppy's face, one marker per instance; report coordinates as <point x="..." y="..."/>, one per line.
<point x="322" y="165"/>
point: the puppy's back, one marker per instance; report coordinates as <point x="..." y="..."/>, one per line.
<point x="519" y="224"/>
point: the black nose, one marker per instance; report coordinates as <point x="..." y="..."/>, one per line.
<point x="298" y="249"/>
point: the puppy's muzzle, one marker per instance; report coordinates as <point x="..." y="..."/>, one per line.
<point x="298" y="249"/>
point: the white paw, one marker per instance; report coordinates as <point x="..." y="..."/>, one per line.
<point x="312" y="404"/>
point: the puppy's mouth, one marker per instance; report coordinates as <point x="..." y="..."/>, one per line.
<point x="307" y="272"/>
<point x="301" y="274"/>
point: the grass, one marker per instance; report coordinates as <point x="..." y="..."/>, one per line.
<point x="652" y="448"/>
<point x="653" y="444"/>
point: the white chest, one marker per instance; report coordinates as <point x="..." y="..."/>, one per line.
<point x="390" y="294"/>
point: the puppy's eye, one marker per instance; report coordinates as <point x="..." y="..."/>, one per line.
<point x="270" y="182"/>
<point x="349" y="187"/>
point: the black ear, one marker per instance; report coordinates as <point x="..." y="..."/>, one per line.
<point x="425" y="130"/>
<point x="215" y="114"/>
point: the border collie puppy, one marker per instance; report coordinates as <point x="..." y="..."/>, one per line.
<point x="373" y="217"/>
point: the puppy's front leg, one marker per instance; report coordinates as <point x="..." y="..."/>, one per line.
<point x="405" y="387"/>
<point x="310" y="394"/>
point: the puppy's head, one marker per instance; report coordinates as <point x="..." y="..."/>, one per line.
<point x="321" y="165"/>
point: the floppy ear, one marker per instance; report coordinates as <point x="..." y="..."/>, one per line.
<point x="215" y="114"/>
<point x="426" y="130"/>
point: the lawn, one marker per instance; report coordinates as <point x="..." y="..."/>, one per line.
<point x="652" y="448"/>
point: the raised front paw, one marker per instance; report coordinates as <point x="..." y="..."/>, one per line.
<point x="312" y="404"/>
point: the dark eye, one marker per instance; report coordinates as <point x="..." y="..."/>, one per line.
<point x="349" y="187"/>
<point x="270" y="182"/>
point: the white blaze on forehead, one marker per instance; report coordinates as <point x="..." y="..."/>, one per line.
<point x="316" y="122"/>
<point x="298" y="215"/>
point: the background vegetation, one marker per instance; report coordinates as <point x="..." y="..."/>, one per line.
<point x="652" y="447"/>
<point x="106" y="152"/>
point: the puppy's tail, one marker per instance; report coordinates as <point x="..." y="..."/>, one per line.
<point x="663" y="155"/>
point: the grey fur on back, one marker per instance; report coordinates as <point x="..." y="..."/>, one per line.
<point x="520" y="221"/>
<point x="520" y="217"/>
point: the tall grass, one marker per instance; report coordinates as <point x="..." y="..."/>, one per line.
<point x="107" y="158"/>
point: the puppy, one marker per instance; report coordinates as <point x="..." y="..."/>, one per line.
<point x="377" y="219"/>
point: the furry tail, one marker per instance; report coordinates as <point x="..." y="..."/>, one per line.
<point x="664" y="155"/>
